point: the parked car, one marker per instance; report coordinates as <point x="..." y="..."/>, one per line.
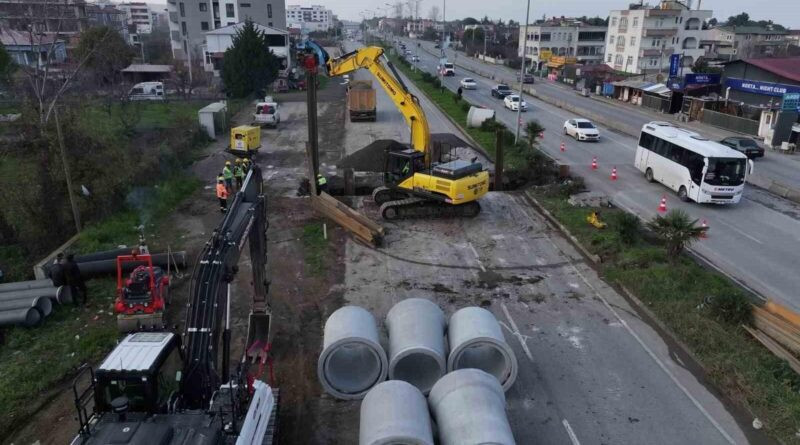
<point x="581" y="130"/>
<point x="147" y="91"/>
<point x="447" y="69"/>
<point x="267" y="114"/>
<point x="513" y="103"/>
<point x="501" y="91"/>
<point x="528" y="78"/>
<point x="468" y="83"/>
<point x="746" y="145"/>
<point x="415" y="58"/>
<point x="437" y="46"/>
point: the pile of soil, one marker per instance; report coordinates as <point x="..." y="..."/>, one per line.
<point x="371" y="157"/>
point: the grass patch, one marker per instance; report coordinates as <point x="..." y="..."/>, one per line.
<point x="105" y="121"/>
<point x="696" y="304"/>
<point x="315" y="247"/>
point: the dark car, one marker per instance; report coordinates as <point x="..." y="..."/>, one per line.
<point x="745" y="145"/>
<point x="528" y="78"/>
<point x="501" y="91"/>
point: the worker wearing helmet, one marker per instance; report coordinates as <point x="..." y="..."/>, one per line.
<point x="322" y="184"/>
<point x="222" y="194"/>
<point x="238" y="173"/>
<point x="246" y="163"/>
<point x="227" y="173"/>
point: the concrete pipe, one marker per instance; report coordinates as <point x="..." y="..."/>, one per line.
<point x="395" y="412"/>
<point x="470" y="408"/>
<point x="352" y="359"/>
<point x="417" y="348"/>
<point x="26" y="317"/>
<point x="476" y="341"/>
<point x="43" y="304"/>
<point x="25" y="285"/>
<point x="60" y="294"/>
<point x="477" y="115"/>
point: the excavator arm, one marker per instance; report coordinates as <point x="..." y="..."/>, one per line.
<point x="370" y="58"/>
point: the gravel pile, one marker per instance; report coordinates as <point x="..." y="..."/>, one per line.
<point x="371" y="157"/>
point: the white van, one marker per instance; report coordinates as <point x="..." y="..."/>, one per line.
<point x="267" y="114"/>
<point x="147" y="91"/>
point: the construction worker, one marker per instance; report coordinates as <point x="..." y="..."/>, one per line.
<point x="72" y="274"/>
<point x="227" y="173"/>
<point x="406" y="169"/>
<point x="57" y="271"/>
<point x="238" y="173"/>
<point x="246" y="163"/>
<point x="322" y="184"/>
<point x="222" y="194"/>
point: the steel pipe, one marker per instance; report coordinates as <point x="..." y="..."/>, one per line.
<point x="104" y="267"/>
<point x="417" y="348"/>
<point x="104" y="255"/>
<point x="476" y="341"/>
<point x="352" y="359"/>
<point x="395" y="412"/>
<point x="25" y="285"/>
<point x="26" y="317"/>
<point x="60" y="294"/>
<point x="43" y="304"/>
<point x="469" y="407"/>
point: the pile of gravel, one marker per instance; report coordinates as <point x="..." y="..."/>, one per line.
<point x="371" y="157"/>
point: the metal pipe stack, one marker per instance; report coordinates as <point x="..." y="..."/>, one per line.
<point x="27" y="303"/>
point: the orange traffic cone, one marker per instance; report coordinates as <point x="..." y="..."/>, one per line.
<point x="614" y="174"/>
<point x="541" y="135"/>
<point x="563" y="147"/>
<point x="704" y="225"/>
<point x="594" y="163"/>
<point x="663" y="206"/>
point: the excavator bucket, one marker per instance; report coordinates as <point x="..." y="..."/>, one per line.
<point x="258" y="337"/>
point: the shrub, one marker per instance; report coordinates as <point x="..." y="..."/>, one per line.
<point x="732" y="308"/>
<point x="677" y="230"/>
<point x="629" y="227"/>
<point x="492" y="125"/>
<point x="465" y="106"/>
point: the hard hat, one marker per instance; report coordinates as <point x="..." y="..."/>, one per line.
<point x="238" y="161"/>
<point x="319" y="175"/>
<point x="227" y="162"/>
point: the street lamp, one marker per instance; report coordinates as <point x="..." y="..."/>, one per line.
<point x="522" y="75"/>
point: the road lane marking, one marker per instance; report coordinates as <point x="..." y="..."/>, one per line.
<point x="514" y="330"/>
<point x="739" y="231"/>
<point x="644" y="346"/>
<point x="572" y="437"/>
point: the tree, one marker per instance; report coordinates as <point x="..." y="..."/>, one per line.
<point x="532" y="130"/>
<point x="594" y="21"/>
<point x="471" y="36"/>
<point x="105" y="51"/>
<point x="248" y="66"/>
<point x="157" y="48"/>
<point x="713" y="22"/>
<point x="434" y="13"/>
<point x="742" y="19"/>
<point x="470" y="21"/>
<point x="430" y="34"/>
<point x="701" y="66"/>
<point x="677" y="231"/>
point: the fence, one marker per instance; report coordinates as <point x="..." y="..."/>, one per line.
<point x="656" y="103"/>
<point x="729" y="122"/>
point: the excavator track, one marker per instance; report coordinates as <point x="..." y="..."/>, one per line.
<point x="411" y="208"/>
<point x="383" y="194"/>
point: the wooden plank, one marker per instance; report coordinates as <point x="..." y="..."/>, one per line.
<point x="777" y="328"/>
<point x="775" y="348"/>
<point x="344" y="220"/>
<point x="358" y="216"/>
<point x="783" y="312"/>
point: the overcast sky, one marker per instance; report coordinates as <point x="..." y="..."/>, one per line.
<point x="785" y="12"/>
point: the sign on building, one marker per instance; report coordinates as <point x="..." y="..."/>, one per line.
<point x="545" y="55"/>
<point x="758" y="87"/>
<point x="674" y="64"/>
<point x="701" y="79"/>
<point x="791" y="102"/>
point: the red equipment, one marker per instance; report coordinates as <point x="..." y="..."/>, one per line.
<point x="141" y="298"/>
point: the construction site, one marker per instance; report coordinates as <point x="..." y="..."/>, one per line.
<point x="373" y="307"/>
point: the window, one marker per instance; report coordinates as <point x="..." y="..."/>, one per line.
<point x="269" y="10"/>
<point x="183" y="28"/>
<point x="613" y="21"/>
<point x="229" y="12"/>
<point x="611" y="40"/>
<point x="269" y="24"/>
<point x="633" y="41"/>
<point x="204" y="26"/>
<point x="246" y="5"/>
<point x="182" y="8"/>
<point x="231" y="23"/>
<point x="630" y="61"/>
<point x="618" y="60"/>
<point x="635" y="22"/>
<point x="203" y="7"/>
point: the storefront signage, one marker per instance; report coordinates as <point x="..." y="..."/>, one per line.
<point x="675" y="83"/>
<point x="674" y="64"/>
<point x="701" y="79"/>
<point x="545" y="55"/>
<point x="791" y="102"/>
<point x="757" y="87"/>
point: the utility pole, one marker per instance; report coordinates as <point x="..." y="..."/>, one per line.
<point x="522" y="74"/>
<point x="76" y="216"/>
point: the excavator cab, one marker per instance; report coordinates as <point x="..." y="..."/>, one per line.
<point x="402" y="164"/>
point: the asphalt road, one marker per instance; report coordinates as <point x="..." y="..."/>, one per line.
<point x="756" y="241"/>
<point x="781" y="168"/>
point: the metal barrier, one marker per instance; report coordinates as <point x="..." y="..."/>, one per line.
<point x="656" y="103"/>
<point x="729" y="122"/>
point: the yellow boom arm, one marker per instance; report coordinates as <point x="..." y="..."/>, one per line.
<point x="370" y="59"/>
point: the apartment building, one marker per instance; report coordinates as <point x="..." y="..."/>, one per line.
<point x="138" y="15"/>
<point x="189" y="20"/>
<point x="219" y="40"/>
<point x="728" y="43"/>
<point x="641" y="39"/>
<point x="310" y="18"/>
<point x="561" y="36"/>
<point x="66" y="17"/>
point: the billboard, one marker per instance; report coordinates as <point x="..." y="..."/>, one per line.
<point x="758" y="87"/>
<point x="701" y="79"/>
<point x="545" y="55"/>
<point x="674" y="64"/>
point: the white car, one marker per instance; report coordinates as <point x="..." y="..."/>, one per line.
<point x="415" y="58"/>
<point x="581" y="130"/>
<point x="514" y="103"/>
<point x="468" y="83"/>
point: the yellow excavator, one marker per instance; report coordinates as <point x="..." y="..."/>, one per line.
<point x="415" y="184"/>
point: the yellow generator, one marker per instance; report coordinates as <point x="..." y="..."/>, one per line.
<point x="245" y="140"/>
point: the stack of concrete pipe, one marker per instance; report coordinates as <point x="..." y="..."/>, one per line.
<point x="27" y="303"/>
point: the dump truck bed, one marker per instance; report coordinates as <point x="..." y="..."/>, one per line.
<point x="361" y="100"/>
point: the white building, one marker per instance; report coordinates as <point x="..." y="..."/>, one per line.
<point x="566" y="37"/>
<point x="138" y="14"/>
<point x="189" y="20"/>
<point x="219" y="40"/>
<point x="310" y="18"/>
<point x="641" y="39"/>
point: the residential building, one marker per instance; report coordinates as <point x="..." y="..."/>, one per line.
<point x="744" y="42"/>
<point x="793" y="37"/>
<point x="219" y="40"/>
<point x="561" y="36"/>
<point x="66" y="17"/>
<point x="110" y="16"/>
<point x="29" y="49"/>
<point x="139" y="15"/>
<point x="310" y="18"/>
<point x="189" y="20"/>
<point x="641" y="39"/>
<point x="418" y="26"/>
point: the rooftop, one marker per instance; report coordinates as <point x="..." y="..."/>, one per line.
<point x="233" y="29"/>
<point x="752" y="30"/>
<point x="147" y="68"/>
<point x="788" y="67"/>
<point x="686" y="138"/>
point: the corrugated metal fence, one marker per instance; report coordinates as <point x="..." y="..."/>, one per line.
<point x="656" y="103"/>
<point x="729" y="122"/>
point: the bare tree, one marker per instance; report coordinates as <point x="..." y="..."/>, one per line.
<point x="398" y="9"/>
<point x="434" y="13"/>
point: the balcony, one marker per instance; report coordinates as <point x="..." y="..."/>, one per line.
<point x="655" y="52"/>
<point x="622" y="29"/>
<point x="660" y="32"/>
<point x="173" y="17"/>
<point x="662" y="12"/>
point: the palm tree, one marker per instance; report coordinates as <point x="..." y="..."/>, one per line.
<point x="532" y="130"/>
<point x="677" y="230"/>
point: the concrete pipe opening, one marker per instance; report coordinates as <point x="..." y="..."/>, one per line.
<point x="470" y="408"/>
<point x="394" y="413"/>
<point x="417" y="347"/>
<point x="29" y="317"/>
<point x="352" y="359"/>
<point x="476" y="341"/>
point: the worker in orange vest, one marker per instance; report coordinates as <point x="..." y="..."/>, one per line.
<point x="222" y="194"/>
